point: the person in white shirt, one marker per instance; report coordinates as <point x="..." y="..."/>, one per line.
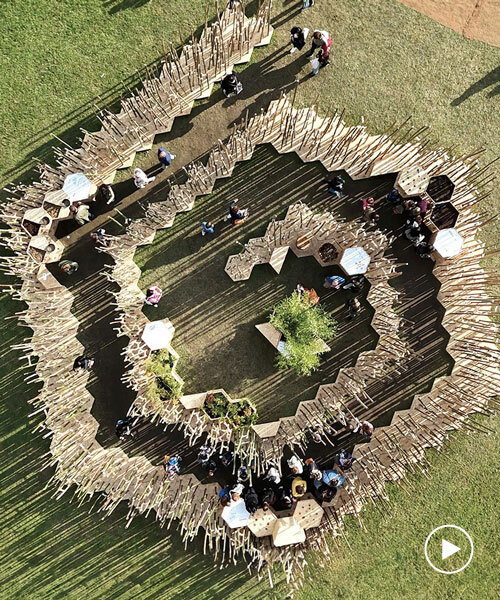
<point x="141" y="180"/>
<point x="296" y="466"/>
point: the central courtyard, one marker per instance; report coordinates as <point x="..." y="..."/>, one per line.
<point x="215" y="318"/>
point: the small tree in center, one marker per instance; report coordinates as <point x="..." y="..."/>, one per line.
<point x="304" y="328"/>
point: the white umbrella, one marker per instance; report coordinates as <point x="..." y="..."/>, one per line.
<point x="355" y="261"/>
<point x="78" y="187"/>
<point x="235" y="514"/>
<point x="448" y="242"/>
<point x="158" y="334"/>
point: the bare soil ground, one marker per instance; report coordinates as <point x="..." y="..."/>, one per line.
<point x="475" y="19"/>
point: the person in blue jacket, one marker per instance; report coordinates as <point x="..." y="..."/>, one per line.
<point x="165" y="158"/>
<point x="333" y="478"/>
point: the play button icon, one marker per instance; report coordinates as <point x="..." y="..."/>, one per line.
<point x="448" y="549"/>
<point x="439" y="551"/>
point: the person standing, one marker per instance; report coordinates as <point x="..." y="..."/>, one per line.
<point x="272" y="475"/>
<point x="207" y="227"/>
<point x="81" y="213"/>
<point x="206" y="460"/>
<point x="364" y="428"/>
<point x="298" y="37"/>
<point x="99" y="238"/>
<point x="334" y="282"/>
<point x="82" y="363"/>
<point x="299" y="487"/>
<point x="124" y="428"/>
<point x="172" y="466"/>
<point x="295" y="465"/>
<point x="319" y="39"/>
<point x="230" y="85"/>
<point x="165" y="158"/>
<point x="106" y="193"/>
<point x="236" y="215"/>
<point x="336" y="186"/>
<point x="424" y="250"/>
<point x="353" y="305"/>
<point x="332" y="478"/>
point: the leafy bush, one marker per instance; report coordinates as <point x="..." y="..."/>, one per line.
<point x="239" y="414"/>
<point x="304" y="328"/>
<point x="164" y="386"/>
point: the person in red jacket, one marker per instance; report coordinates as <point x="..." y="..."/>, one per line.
<point x="323" y="56"/>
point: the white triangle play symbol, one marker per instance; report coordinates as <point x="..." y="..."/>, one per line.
<point x="448" y="549"/>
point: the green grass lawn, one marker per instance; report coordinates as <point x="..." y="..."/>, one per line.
<point x="58" y="59"/>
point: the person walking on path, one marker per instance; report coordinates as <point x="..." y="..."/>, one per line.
<point x="141" y="180"/>
<point x="165" y="158"/>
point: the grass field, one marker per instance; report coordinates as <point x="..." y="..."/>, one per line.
<point x="58" y="59"/>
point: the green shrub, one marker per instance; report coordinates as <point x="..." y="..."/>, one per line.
<point x="164" y="386"/>
<point x="304" y="328"/>
<point x="239" y="414"/>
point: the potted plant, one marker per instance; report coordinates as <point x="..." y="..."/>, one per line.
<point x="164" y="385"/>
<point x="304" y="328"/>
<point x="239" y="413"/>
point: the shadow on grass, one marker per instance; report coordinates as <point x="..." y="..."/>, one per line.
<point x="116" y="6"/>
<point x="490" y="80"/>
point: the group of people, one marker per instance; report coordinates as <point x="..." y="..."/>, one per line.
<point x="320" y="42"/>
<point x="272" y="489"/>
<point x="142" y="179"/>
<point x="81" y="210"/>
<point x="413" y="211"/>
<point x="354" y="286"/>
<point x="236" y="215"/>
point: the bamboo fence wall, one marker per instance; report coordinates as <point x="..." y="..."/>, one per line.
<point x="82" y="465"/>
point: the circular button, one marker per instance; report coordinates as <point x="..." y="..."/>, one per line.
<point x="446" y="549"/>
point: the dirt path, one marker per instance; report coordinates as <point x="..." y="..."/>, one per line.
<point x="475" y="19"/>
